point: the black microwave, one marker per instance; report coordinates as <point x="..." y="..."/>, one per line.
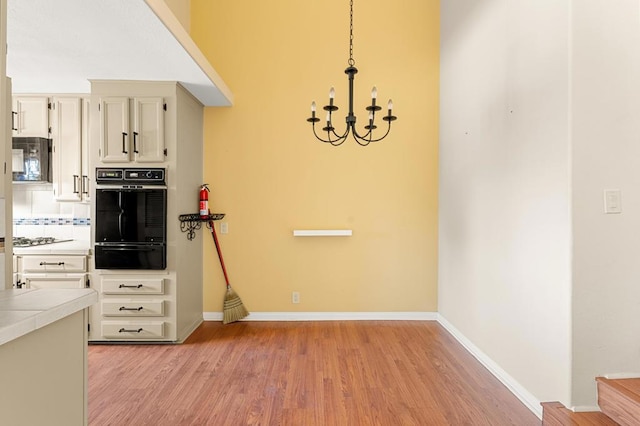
<point x="31" y="159"/>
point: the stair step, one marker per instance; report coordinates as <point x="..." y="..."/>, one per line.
<point x="556" y="414"/>
<point x="620" y="399"/>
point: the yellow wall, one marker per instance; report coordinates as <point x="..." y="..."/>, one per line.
<point x="270" y="176"/>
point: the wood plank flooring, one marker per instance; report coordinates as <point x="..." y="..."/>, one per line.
<point x="300" y="373"/>
<point x="556" y="414"/>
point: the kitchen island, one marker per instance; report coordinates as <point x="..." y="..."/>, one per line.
<point x="43" y="356"/>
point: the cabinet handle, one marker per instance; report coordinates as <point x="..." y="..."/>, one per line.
<point x="51" y="263"/>
<point x="14" y="126"/>
<point x="75" y="184"/>
<point x="124" y="135"/>
<point x="85" y="184"/>
<point x="123" y="308"/>
<point x="135" y="142"/>
<point x="130" y="286"/>
<point x="124" y="330"/>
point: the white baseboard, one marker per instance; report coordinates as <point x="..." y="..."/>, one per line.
<point x="330" y="316"/>
<point x="584" y="408"/>
<point x="516" y="388"/>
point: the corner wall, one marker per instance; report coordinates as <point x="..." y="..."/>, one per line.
<point x="606" y="155"/>
<point x="269" y="175"/>
<point x="504" y="207"/>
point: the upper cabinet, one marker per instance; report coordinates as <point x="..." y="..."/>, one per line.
<point x="67" y="129"/>
<point x="132" y="129"/>
<point x="30" y="116"/>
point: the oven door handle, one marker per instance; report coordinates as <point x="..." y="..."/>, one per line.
<point x="121" y="214"/>
<point x="121" y="248"/>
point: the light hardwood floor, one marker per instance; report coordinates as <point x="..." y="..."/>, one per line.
<point x="300" y="373"/>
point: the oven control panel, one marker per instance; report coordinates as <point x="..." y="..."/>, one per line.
<point x="155" y="176"/>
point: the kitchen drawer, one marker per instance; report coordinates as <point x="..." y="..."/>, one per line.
<point x="132" y="307"/>
<point x="133" y="330"/>
<point x="54" y="263"/>
<point x="132" y="286"/>
<point x="53" y="281"/>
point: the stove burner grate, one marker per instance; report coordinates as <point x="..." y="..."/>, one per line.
<point x="38" y="241"/>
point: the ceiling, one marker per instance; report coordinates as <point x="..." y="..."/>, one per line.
<point x="58" y="46"/>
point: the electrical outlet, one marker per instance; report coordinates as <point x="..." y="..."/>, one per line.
<point x="224" y="227"/>
<point x="295" y="297"/>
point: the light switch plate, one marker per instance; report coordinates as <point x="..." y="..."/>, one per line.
<point x="612" y="201"/>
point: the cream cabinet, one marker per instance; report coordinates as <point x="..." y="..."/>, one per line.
<point x="67" y="152"/>
<point x="132" y="130"/>
<point x="70" y="130"/>
<point x="171" y="300"/>
<point x="30" y="116"/>
<point x="87" y="176"/>
<point x="51" y="271"/>
<point x="133" y="308"/>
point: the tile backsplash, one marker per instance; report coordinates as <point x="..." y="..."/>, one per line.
<point x="37" y="214"/>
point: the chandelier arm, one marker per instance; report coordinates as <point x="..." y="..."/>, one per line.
<point x="361" y="141"/>
<point x="344" y="135"/>
<point x="332" y="142"/>
<point x="384" y="136"/>
<point x="357" y="136"/>
<point x="318" y="137"/>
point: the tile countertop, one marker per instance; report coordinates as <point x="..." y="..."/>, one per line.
<point x="68" y="247"/>
<point x="25" y="310"/>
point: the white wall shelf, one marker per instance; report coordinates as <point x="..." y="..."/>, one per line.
<point x="322" y="232"/>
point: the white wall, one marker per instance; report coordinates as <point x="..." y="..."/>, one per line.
<point x="606" y="154"/>
<point x="505" y="233"/>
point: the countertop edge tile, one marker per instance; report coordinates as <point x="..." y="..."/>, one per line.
<point x="71" y="307"/>
<point x="77" y="300"/>
<point x="17" y="329"/>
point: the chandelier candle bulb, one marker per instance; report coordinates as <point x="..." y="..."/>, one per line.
<point x="389" y="106"/>
<point x="332" y="93"/>
<point x="313" y="106"/>
<point x="374" y="92"/>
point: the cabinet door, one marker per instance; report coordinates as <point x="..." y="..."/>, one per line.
<point x="31" y="116"/>
<point x="5" y="135"/>
<point x="114" y="130"/>
<point x="51" y="281"/>
<point x="84" y="149"/>
<point x="67" y="134"/>
<point x="148" y="130"/>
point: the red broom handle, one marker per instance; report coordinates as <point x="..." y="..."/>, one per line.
<point x="215" y="240"/>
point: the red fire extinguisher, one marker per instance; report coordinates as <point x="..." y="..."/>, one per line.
<point x="204" y="201"/>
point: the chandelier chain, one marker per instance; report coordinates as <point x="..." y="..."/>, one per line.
<point x="351" y="61"/>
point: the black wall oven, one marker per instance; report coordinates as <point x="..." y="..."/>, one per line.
<point x="131" y="218"/>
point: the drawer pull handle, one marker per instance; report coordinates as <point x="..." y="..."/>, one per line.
<point x="51" y="263"/>
<point x="130" y="286"/>
<point x="124" y="330"/>
<point x="123" y="308"/>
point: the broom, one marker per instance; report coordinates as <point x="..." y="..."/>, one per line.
<point x="233" y="309"/>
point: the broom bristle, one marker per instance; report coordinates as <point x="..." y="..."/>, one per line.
<point x="233" y="309"/>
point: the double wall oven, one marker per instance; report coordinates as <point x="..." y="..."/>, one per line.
<point x="131" y="218"/>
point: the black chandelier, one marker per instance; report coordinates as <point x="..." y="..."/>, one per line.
<point x="332" y="137"/>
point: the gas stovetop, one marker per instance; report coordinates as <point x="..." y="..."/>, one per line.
<point x="37" y="241"/>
